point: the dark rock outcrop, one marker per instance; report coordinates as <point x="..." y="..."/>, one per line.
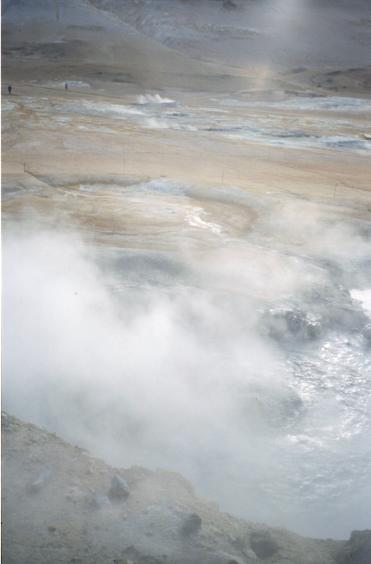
<point x="119" y="488"/>
<point x="357" y="550"/>
<point x="191" y="525"/>
<point x="263" y="544"/>
<point x="229" y="5"/>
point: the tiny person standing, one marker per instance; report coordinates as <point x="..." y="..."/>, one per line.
<point x="9" y="89"/>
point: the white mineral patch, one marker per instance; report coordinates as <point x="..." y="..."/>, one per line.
<point x="144" y="99"/>
<point x="155" y="123"/>
<point x="88" y="107"/>
<point x="196" y="218"/>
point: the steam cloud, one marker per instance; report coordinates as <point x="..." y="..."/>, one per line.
<point x="204" y="363"/>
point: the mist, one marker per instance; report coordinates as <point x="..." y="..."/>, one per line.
<point x="230" y="364"/>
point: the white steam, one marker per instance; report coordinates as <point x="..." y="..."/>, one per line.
<point x="145" y="99"/>
<point x="223" y="365"/>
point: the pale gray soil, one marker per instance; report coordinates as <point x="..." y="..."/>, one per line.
<point x="58" y="508"/>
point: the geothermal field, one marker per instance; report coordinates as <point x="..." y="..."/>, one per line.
<point x="186" y="222"/>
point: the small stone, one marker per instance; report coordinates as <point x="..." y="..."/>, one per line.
<point x="119" y="488"/>
<point x="357" y="550"/>
<point x="192" y="524"/>
<point x="263" y="544"/>
<point x="367" y="333"/>
<point x="229" y="5"/>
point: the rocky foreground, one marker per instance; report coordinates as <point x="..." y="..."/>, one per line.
<point x="60" y="504"/>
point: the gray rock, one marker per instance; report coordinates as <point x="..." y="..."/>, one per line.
<point x="229" y="5"/>
<point x="119" y="488"/>
<point x="191" y="525"/>
<point x="357" y="550"/>
<point x="263" y="545"/>
<point x="286" y="325"/>
<point x="367" y="333"/>
<point x="242" y="545"/>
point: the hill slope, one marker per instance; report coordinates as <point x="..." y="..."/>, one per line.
<point x="77" y="40"/>
<point x="63" y="505"/>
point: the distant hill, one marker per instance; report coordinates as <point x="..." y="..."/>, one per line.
<point x="208" y="45"/>
<point x="283" y="33"/>
<point x="75" y="39"/>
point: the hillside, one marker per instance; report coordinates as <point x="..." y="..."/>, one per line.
<point x="197" y="46"/>
<point x="79" y="41"/>
<point x="64" y="505"/>
<point x="311" y="44"/>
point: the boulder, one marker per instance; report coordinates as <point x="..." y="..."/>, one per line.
<point x="357" y="550"/>
<point x="191" y="525"/>
<point x="263" y="544"/>
<point x="119" y="488"/>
